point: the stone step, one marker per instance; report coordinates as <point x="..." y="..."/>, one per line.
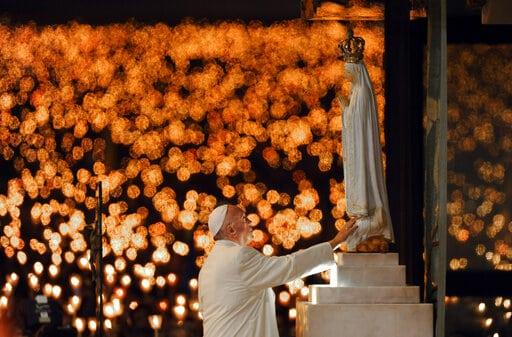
<point x="366" y="259"/>
<point x="364" y="320"/>
<point x="325" y="294"/>
<point x="349" y="276"/>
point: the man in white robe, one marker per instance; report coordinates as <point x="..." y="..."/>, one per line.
<point x="235" y="295"/>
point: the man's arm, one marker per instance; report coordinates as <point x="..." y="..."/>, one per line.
<point x="260" y="271"/>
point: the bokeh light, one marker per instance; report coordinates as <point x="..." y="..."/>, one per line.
<point x="479" y="152"/>
<point x="170" y="120"/>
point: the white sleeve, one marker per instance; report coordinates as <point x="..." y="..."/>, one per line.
<point x="260" y="271"/>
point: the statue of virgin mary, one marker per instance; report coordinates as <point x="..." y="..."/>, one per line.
<point x="365" y="188"/>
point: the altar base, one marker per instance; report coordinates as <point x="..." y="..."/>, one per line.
<point x="367" y="297"/>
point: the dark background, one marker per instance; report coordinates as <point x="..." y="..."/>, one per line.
<point x="148" y="11"/>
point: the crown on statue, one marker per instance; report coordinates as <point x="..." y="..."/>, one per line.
<point x="352" y="48"/>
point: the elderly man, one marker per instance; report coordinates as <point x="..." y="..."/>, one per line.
<point x="235" y="282"/>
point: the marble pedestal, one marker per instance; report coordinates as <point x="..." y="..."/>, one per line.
<point x="367" y="297"/>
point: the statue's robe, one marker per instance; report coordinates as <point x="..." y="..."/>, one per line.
<point x="365" y="188"/>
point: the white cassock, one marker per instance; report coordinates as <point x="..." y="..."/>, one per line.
<point x="365" y="187"/>
<point x="235" y="295"/>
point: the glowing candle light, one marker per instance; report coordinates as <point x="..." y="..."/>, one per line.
<point x="160" y="281"/>
<point x="75" y="281"/>
<point x="56" y="292"/>
<point x="268" y="250"/>
<point x="109" y="269"/>
<point x="193" y="284"/>
<point x="194" y="305"/>
<point x="171" y="279"/>
<point x="22" y="257"/>
<point x="53" y="270"/>
<point x="79" y="324"/>
<point x="180" y="312"/>
<point x="116" y="305"/>
<point x="33" y="281"/>
<point x="70" y="309"/>
<point x="181" y="300"/>
<point x="163" y="305"/>
<point x="7" y="289"/>
<point x="83" y="263"/>
<point x="38" y="268"/>
<point x="120" y="292"/>
<point x="75" y="301"/>
<point x="92" y="324"/>
<point x="126" y="280"/>
<point x="108" y="324"/>
<point x="108" y="310"/>
<point x="120" y="264"/>
<point x="110" y="279"/>
<point x="47" y="290"/>
<point x="180" y="248"/>
<point x="155" y="321"/>
<point x="13" y="278"/>
<point x="304" y="291"/>
<point x="292" y="314"/>
<point x="4" y="301"/>
<point x="69" y="257"/>
<point x="284" y="297"/>
<point x="145" y="285"/>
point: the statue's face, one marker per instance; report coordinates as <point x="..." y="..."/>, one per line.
<point x="351" y="72"/>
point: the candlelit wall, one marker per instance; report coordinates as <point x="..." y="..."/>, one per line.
<point x="479" y="153"/>
<point x="170" y="119"/>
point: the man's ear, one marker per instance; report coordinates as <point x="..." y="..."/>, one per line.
<point x="230" y="229"/>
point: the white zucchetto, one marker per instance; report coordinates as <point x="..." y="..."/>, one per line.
<point x="216" y="219"/>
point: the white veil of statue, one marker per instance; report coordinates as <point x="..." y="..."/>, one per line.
<point x="365" y="187"/>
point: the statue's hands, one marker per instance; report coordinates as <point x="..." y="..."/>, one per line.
<point x="344" y="233"/>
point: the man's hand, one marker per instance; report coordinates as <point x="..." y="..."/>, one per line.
<point x="344" y="233"/>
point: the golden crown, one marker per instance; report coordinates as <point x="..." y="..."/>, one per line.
<point x="352" y="48"/>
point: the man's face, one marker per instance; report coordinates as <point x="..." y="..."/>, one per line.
<point x="241" y="225"/>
